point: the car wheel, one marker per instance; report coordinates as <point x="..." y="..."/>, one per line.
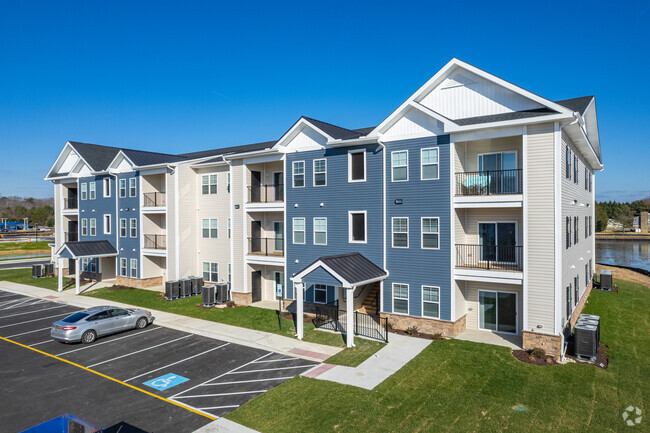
<point x="88" y="337"/>
<point x="141" y="323"/>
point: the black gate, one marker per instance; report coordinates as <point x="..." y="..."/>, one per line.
<point x="366" y="325"/>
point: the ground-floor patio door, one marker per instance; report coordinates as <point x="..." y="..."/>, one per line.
<point x="498" y="311"/>
<point x="256" y="283"/>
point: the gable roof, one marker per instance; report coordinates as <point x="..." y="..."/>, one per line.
<point x="351" y="269"/>
<point x="336" y="132"/>
<point x="88" y="249"/>
<point x="97" y="156"/>
<point x="229" y="150"/>
<point x="577" y="104"/>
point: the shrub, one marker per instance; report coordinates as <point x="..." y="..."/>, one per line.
<point x="231" y="304"/>
<point x="438" y="336"/>
<point x="319" y="321"/>
<point x="538" y="353"/>
<point x="412" y="330"/>
<point x="390" y="326"/>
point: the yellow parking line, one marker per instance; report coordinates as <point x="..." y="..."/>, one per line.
<point x="111" y="378"/>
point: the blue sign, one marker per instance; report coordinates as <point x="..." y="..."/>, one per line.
<point x="165" y="382"/>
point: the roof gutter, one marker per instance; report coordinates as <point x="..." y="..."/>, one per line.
<point x="353" y="142"/>
<point x="267" y="151"/>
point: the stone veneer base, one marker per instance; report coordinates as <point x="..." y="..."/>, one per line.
<point x="242" y="298"/>
<point x="427" y="326"/>
<point x="139" y="283"/>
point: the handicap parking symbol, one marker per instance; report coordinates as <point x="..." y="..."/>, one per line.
<point x="165" y="382"/>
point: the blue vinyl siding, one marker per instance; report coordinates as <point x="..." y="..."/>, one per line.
<point x="429" y="198"/>
<point x="320" y="276"/>
<point x="338" y="197"/>
<point x="129" y="208"/>
<point x="97" y="208"/>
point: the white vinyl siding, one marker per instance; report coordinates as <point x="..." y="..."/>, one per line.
<point x="399" y="166"/>
<point x="429" y="164"/>
<point x="320" y="231"/>
<point x="320" y="172"/>
<point x="298" y="174"/>
<point x="431" y="301"/>
<point x="400" y="232"/>
<point x="400" y="298"/>
<point x="298" y="230"/>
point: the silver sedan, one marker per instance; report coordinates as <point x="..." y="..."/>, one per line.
<point x="87" y="325"/>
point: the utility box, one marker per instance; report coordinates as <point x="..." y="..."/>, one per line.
<point x="197" y="284"/>
<point x="186" y="287"/>
<point x="587" y="341"/>
<point x="172" y="290"/>
<point x="37" y="271"/>
<point x="208" y="295"/>
<point x="605" y="279"/>
<point x="223" y="294"/>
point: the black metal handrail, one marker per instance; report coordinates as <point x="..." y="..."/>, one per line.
<point x="70" y="203"/>
<point x="266" y="193"/>
<point x="155" y="242"/>
<point x="496" y="257"/>
<point x="266" y="246"/>
<point x="71" y="236"/>
<point x="489" y="182"/>
<point x="154" y="199"/>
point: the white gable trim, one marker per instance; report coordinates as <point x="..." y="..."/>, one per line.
<point x="319" y="264"/>
<point x="61" y="158"/>
<point x="283" y="143"/>
<point x="117" y="161"/>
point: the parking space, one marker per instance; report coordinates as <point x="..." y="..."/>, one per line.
<point x="203" y="375"/>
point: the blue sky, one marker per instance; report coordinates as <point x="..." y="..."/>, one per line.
<point x="184" y="76"/>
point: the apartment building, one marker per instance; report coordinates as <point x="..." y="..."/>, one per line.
<point x="470" y="207"/>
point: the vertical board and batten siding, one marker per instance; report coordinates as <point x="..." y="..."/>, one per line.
<point x="577" y="254"/>
<point x="337" y="198"/>
<point x="421" y="198"/>
<point x="541" y="228"/>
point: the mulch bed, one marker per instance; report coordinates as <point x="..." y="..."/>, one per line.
<point x="525" y="356"/>
<point x="116" y="287"/>
<point x="291" y="316"/>
<point x="418" y="335"/>
<point x="602" y="361"/>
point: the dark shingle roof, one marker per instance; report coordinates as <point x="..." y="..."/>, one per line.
<point x="365" y="131"/>
<point x="504" y="116"/>
<point x="98" y="156"/>
<point x="230" y="150"/>
<point x="353" y="267"/>
<point x="576" y="104"/>
<point x="333" y="131"/>
<point x="90" y="248"/>
<point x="141" y="157"/>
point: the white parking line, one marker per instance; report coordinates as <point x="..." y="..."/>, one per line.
<point x="276" y="360"/>
<point x="106" y="342"/>
<point x="35" y="311"/>
<point x="218" y="407"/>
<point x="272" y="369"/>
<point x="28" y="332"/>
<point x="12" y="301"/>
<point x="7" y="295"/>
<point x="42" y="342"/>
<point x="139" y="351"/>
<point x="247" y="381"/>
<point x="225" y="393"/>
<point x="25" y="303"/>
<point x="33" y="320"/>
<point x="177" y="362"/>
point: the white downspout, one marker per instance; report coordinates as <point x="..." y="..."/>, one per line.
<point x="383" y="176"/>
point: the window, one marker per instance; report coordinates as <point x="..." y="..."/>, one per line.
<point x="400" y="298"/>
<point x="586" y="274"/>
<point x="568" y="302"/>
<point x="93" y="227"/>
<point x="84" y="191"/>
<point x="429" y="164"/>
<point x="214" y="228"/>
<point x="84" y="227"/>
<point x="229" y="232"/>
<point x="575" y="230"/>
<point x="590" y="226"/>
<point x="400" y="232"/>
<point x="586" y="179"/>
<point x="586" y="227"/>
<point x="298" y="230"/>
<point x="431" y="301"/>
<point x="211" y="272"/>
<point x="92" y="192"/>
<point x="123" y="267"/>
<point x="122" y="227"/>
<point x="575" y="168"/>
<point x="430" y="233"/>
<point x="209" y="184"/>
<point x="229" y="273"/>
<point x="298" y="174"/>
<point x="568" y="232"/>
<point x="576" y="290"/>
<point x="133" y="228"/>
<point x="590" y="176"/>
<point x="89" y="265"/>
<point x="132" y="189"/>
<point x="320" y="294"/>
<point x="210" y="228"/>
<point x="357" y="166"/>
<point x="357" y="227"/>
<point x="107" y="224"/>
<point x="320" y="231"/>
<point x="567" y="167"/>
<point x="228" y="186"/>
<point x="134" y="268"/>
<point x="399" y="166"/>
<point x="320" y="172"/>
<point x="122" y="188"/>
<point x="590" y="271"/>
<point x="106" y="189"/>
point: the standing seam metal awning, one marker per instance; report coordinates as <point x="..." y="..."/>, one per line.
<point x="84" y="249"/>
<point x="351" y="269"/>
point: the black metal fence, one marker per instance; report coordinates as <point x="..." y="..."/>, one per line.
<point x="70" y="203"/>
<point x="71" y="236"/>
<point x="366" y="325"/>
<point x="266" y="246"/>
<point x="491" y="182"/>
<point x="265" y="194"/>
<point x="497" y="257"/>
<point x="155" y="242"/>
<point x="154" y="199"/>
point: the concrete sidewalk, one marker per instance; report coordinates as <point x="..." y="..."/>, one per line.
<point x="377" y="368"/>
<point x="206" y="328"/>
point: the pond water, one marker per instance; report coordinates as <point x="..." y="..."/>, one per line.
<point x="22" y="256"/>
<point x="635" y="254"/>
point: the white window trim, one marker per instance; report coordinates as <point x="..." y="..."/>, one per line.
<point x="126" y="268"/>
<point x="229" y="229"/>
<point x="216" y="227"/>
<point x="314" y="230"/>
<point x="392" y="295"/>
<point x="496" y="234"/>
<point x="422" y="163"/>
<point x="422" y="234"/>
<point x="314" y="172"/>
<point x="135" y="188"/>
<point x="106" y="187"/>
<point x="497" y="295"/>
<point x="293" y="174"/>
<point x="293" y="230"/>
<point x="407" y="165"/>
<point x="429" y="302"/>
<point x="209" y="185"/>
<point x="131" y="262"/>
<point x="126" y="228"/>
<point x="130" y="227"/>
<point x="365" y="169"/>
<point x="479" y="155"/>
<point x="92" y="190"/>
<point x="120" y="189"/>
<point x="365" y="226"/>
<point x="84" y="226"/>
<point x="107" y="227"/>
<point x="92" y="223"/>
<point x="83" y="191"/>
<point x="392" y="232"/>
<point x="322" y="285"/>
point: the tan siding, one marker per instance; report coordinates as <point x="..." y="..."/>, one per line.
<point x="238" y="186"/>
<point x="467" y="152"/>
<point x="471" y="292"/>
<point x="474" y="216"/>
<point x="172" y="245"/>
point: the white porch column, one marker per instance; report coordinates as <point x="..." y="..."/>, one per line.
<point x="77" y="272"/>
<point x="299" y="309"/>
<point x="59" y="265"/>
<point x="349" y="307"/>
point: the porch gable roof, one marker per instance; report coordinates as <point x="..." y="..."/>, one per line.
<point x="350" y="269"/>
<point x="84" y="249"/>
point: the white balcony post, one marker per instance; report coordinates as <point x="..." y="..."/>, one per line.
<point x="299" y="309"/>
<point x="77" y="272"/>
<point x="59" y="265"/>
<point x="349" y="307"/>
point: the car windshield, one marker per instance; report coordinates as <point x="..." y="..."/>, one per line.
<point x="75" y="317"/>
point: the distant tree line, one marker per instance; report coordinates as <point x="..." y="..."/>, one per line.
<point x="622" y="212"/>
<point x="38" y="210"/>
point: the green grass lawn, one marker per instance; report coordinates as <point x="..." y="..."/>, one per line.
<point x="458" y="386"/>
<point x="17" y="246"/>
<point x="246" y="317"/>
<point x="24" y="276"/>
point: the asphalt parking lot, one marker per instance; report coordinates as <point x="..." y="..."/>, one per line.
<point x="155" y="379"/>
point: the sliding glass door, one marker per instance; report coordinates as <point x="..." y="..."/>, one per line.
<point x="498" y="311"/>
<point x="503" y="168"/>
<point x="497" y="241"/>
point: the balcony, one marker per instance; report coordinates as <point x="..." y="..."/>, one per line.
<point x="70" y="204"/>
<point x="495" y="188"/>
<point x="154" y="199"/>
<point x="155" y="242"/>
<point x="265" y="251"/>
<point x="71" y="237"/>
<point x="490" y="257"/>
<point x="266" y="194"/>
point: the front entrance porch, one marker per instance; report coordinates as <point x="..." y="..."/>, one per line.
<point x="88" y="257"/>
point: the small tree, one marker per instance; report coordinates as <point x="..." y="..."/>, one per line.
<point x="625" y="216"/>
<point x="601" y="218"/>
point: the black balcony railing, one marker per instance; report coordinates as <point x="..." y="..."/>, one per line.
<point x="492" y="257"/>
<point x="491" y="182"/>
<point x="266" y="246"/>
<point x="265" y="194"/>
<point x="70" y="203"/>
<point x="154" y="199"/>
<point x="71" y="236"/>
<point x="155" y="242"/>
